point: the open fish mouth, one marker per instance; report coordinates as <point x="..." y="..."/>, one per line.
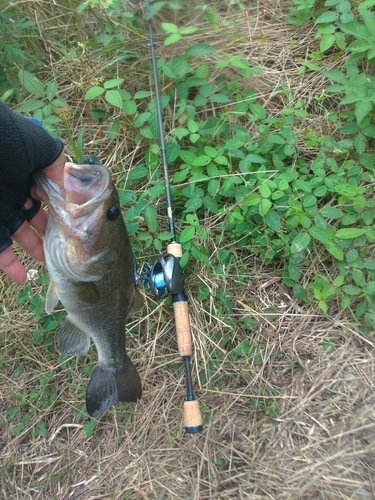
<point x="85" y="188"/>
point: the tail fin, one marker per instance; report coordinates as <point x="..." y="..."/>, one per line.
<point x="109" y="386"/>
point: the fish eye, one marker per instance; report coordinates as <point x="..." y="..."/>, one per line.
<point x="113" y="213"/>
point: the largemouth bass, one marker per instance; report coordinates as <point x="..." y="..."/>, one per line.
<point x="91" y="266"/>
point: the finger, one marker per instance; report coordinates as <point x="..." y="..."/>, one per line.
<point x="30" y="241"/>
<point x="39" y="221"/>
<point x="11" y="266"/>
<point x="55" y="172"/>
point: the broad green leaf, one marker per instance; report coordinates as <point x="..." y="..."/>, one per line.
<point x="153" y="9"/>
<point x="130" y="107"/>
<point x="327" y="17"/>
<point x="151" y="217"/>
<point x="137" y="173"/>
<point x="30" y="106"/>
<point x="169" y="27"/>
<point x="219" y="98"/>
<point x="300" y="242"/>
<point x="93" y="93"/>
<point x="188" y="157"/>
<point x="332" y="212"/>
<point x="51" y="90"/>
<point x="172" y="151"/>
<point x="201" y="161"/>
<point x="352" y="289"/>
<point x="194" y="203"/>
<point x="114" y="98"/>
<point x="319" y="234"/>
<point x="264" y="206"/>
<point x="142" y="94"/>
<point x="180" y="132"/>
<point x="175" y="37"/>
<point x="356" y="29"/>
<point x="335" y="250"/>
<point x="109" y="84"/>
<point x="326" y="42"/>
<point x="180" y="65"/>
<point x="188" y="30"/>
<point x="251" y="158"/>
<point x="336" y="75"/>
<point x="349" y="233"/>
<point x="200" y="49"/>
<point x="31" y="83"/>
<point x="210" y="151"/>
<point x="362" y="109"/>
<point x="251" y="200"/>
<point x="193" y="126"/>
<point x="213" y="187"/>
<point x="272" y="220"/>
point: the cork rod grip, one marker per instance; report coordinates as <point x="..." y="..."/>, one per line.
<point x="181" y="316"/>
<point x="192" y="415"/>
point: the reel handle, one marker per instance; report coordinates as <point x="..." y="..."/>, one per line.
<point x="192" y="416"/>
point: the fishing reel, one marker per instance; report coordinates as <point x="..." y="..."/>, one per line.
<point x="166" y="276"/>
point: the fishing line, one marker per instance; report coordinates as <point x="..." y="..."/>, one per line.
<point x="167" y="276"/>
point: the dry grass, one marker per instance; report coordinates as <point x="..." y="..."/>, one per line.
<point x="321" y="444"/>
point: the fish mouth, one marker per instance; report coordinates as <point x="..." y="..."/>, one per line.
<point x="85" y="188"/>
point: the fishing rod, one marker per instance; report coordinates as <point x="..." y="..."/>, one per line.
<point x="167" y="276"/>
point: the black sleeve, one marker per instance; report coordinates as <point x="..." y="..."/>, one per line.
<point x="24" y="147"/>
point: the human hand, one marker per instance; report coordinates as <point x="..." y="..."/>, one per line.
<point x="27" y="234"/>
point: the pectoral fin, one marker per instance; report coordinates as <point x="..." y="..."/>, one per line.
<point x="71" y="340"/>
<point x="87" y="292"/>
<point x="52" y="297"/>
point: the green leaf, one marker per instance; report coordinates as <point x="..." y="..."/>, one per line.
<point x="129" y="107"/>
<point x="251" y="200"/>
<point x="213" y="187"/>
<point x="335" y="250"/>
<point x="151" y="217"/>
<point x="93" y="93"/>
<point x="187" y="234"/>
<point x="172" y="39"/>
<point x="200" y="49"/>
<point x="194" y="203"/>
<point x="153" y="9"/>
<point x="272" y="220"/>
<point x="327" y="17"/>
<point x="219" y="98"/>
<point x="109" y="84"/>
<point x="137" y="173"/>
<point x="300" y="242"/>
<point x="51" y="90"/>
<point x="350" y="233"/>
<point x="356" y="29"/>
<point x="336" y="75"/>
<point x="180" y="132"/>
<point x="331" y="212"/>
<point x="30" y="106"/>
<point x="142" y="94"/>
<point x="326" y="42"/>
<point x="169" y="27"/>
<point x="180" y="66"/>
<point x="188" y="30"/>
<point x="264" y="206"/>
<point x="31" y="83"/>
<point x="362" y="109"/>
<point x="319" y="234"/>
<point x="113" y="97"/>
<point x="201" y="161"/>
<point x="352" y="289"/>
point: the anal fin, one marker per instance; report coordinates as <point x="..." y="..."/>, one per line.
<point x="71" y="340"/>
